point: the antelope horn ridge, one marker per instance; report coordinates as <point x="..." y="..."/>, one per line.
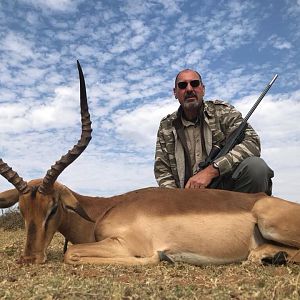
<point x="13" y="177"/>
<point x="86" y="136"/>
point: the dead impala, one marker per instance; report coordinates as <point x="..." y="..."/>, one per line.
<point x="147" y="225"/>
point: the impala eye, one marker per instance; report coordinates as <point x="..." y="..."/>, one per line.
<point x="53" y="211"/>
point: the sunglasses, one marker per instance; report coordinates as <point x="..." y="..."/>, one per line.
<point x="183" y="84"/>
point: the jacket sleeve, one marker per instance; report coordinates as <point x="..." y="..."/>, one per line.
<point x="249" y="146"/>
<point x="162" y="167"/>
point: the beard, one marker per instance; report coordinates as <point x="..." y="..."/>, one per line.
<point x="192" y="105"/>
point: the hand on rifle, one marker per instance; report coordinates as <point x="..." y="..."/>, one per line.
<point x="203" y="178"/>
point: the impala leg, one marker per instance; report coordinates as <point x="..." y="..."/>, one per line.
<point x="108" y="251"/>
<point x="268" y="253"/>
<point x="279" y="220"/>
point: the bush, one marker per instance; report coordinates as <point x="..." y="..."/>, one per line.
<point x="11" y="219"/>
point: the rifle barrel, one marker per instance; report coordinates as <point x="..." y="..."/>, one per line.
<point x="231" y="142"/>
<point x="233" y="139"/>
<point x="274" y="78"/>
<point x="260" y="98"/>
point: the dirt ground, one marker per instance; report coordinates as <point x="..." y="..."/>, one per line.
<point x="56" y="280"/>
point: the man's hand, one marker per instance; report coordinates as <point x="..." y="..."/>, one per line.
<point x="203" y="178"/>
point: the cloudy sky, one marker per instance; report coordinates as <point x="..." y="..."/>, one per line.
<point x="130" y="52"/>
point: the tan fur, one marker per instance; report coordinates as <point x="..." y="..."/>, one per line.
<point x="193" y="226"/>
<point x="9" y="198"/>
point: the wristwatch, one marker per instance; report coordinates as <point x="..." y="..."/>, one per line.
<point x="215" y="166"/>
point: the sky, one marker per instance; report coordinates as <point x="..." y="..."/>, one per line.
<point x="130" y="52"/>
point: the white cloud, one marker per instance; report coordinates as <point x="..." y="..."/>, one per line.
<point x="293" y="7"/>
<point x="279" y="43"/>
<point x="136" y="8"/>
<point x="277" y="121"/>
<point x="171" y="6"/>
<point x="130" y="54"/>
<point x="32" y="18"/>
<point x="17" y="45"/>
<point x="141" y="124"/>
<point x="277" y="116"/>
<point x="61" y="111"/>
<point x="55" y="5"/>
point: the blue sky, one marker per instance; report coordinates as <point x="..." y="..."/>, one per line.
<point x="130" y="52"/>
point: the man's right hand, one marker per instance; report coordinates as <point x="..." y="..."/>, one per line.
<point x="203" y="178"/>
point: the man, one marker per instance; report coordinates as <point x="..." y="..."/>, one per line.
<point x="186" y="137"/>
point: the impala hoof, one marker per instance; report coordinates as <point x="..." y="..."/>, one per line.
<point x="280" y="258"/>
<point x="26" y="260"/>
<point x="71" y="257"/>
<point x="164" y="257"/>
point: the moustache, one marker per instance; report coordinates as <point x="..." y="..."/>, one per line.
<point x="189" y="95"/>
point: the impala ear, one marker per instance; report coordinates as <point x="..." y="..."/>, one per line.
<point x="69" y="201"/>
<point x="9" y="198"/>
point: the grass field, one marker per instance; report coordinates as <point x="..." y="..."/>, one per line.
<point x="56" y="280"/>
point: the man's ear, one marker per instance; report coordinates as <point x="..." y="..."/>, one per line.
<point x="9" y="198"/>
<point x="174" y="92"/>
<point x="69" y="201"/>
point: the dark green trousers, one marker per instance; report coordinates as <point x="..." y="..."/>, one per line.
<point x="252" y="175"/>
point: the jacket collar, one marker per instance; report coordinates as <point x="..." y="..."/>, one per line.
<point x="208" y="110"/>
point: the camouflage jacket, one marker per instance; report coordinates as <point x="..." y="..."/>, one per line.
<point x="220" y="119"/>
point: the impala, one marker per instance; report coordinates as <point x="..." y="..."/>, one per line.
<point x="146" y="226"/>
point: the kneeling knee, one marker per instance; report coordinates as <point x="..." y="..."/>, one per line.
<point x="256" y="168"/>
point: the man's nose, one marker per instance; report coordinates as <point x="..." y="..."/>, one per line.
<point x="189" y="87"/>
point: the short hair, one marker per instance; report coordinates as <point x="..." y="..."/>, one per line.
<point x="188" y="70"/>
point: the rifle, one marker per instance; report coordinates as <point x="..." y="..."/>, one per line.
<point x="234" y="139"/>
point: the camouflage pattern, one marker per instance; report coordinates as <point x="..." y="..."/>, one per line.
<point x="220" y="120"/>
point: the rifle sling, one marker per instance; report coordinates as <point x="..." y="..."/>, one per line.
<point x="187" y="160"/>
<point x="177" y="123"/>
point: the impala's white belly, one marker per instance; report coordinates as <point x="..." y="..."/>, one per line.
<point x="210" y="238"/>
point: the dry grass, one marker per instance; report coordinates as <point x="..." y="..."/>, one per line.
<point x="55" y="280"/>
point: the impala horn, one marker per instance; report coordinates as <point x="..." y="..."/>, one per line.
<point x="13" y="177"/>
<point x="86" y="136"/>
